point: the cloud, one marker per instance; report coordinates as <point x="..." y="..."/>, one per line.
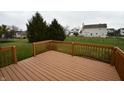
<point x="71" y="18"/>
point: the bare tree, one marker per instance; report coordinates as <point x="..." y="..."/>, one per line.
<point x="13" y="30"/>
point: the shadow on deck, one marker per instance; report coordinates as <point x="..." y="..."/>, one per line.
<point x="52" y="65"/>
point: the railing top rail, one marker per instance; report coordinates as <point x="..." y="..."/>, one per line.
<point x="6" y="48"/>
<point x="40" y="42"/>
<point x="121" y="52"/>
<point x="93" y="45"/>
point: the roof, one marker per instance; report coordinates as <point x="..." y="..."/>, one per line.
<point x="95" y="26"/>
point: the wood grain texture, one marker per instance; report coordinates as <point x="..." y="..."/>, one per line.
<point x="56" y="66"/>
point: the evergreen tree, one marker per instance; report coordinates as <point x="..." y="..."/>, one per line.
<point x="56" y="31"/>
<point x="36" y="28"/>
<point x="3" y="29"/>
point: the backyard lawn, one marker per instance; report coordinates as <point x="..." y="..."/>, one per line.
<point x="103" y="41"/>
<point x="24" y="49"/>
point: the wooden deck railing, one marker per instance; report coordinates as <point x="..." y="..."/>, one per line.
<point x="40" y="47"/>
<point x="88" y="50"/>
<point x="7" y="56"/>
<point x="108" y="54"/>
<point x="118" y="61"/>
<point x="98" y="52"/>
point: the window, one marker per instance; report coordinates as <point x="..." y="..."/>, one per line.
<point x="91" y="34"/>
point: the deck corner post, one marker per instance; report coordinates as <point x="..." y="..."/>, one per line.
<point x="50" y="45"/>
<point x="113" y="58"/>
<point x="33" y="48"/>
<point x="14" y="54"/>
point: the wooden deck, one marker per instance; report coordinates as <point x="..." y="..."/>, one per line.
<point x="54" y="66"/>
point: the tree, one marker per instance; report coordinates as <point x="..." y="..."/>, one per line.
<point x="13" y="31"/>
<point x="3" y="30"/>
<point x="36" y="28"/>
<point x="114" y="33"/>
<point x="56" y="31"/>
<point x="76" y="33"/>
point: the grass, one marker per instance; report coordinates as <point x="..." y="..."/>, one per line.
<point x="23" y="48"/>
<point x="114" y="41"/>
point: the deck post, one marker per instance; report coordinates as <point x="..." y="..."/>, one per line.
<point x="33" y="48"/>
<point x="113" y="57"/>
<point x="72" y="48"/>
<point x="14" y="54"/>
<point x="49" y="46"/>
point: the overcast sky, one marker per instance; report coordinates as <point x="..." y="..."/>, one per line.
<point x="70" y="18"/>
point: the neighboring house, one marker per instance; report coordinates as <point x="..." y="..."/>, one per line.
<point x="94" y="30"/>
<point x="121" y="31"/>
<point x="20" y="34"/>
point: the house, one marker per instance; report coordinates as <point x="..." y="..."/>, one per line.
<point x="20" y="34"/>
<point x="121" y="31"/>
<point x="94" y="30"/>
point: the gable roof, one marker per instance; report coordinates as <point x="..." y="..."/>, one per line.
<point x="95" y="26"/>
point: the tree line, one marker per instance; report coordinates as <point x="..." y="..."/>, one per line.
<point x="39" y="30"/>
<point x="8" y="32"/>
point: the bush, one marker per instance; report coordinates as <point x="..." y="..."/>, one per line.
<point x="76" y="33"/>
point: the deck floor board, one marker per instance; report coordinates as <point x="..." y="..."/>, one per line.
<point x="17" y="73"/>
<point x="11" y="73"/>
<point x="52" y="65"/>
<point x="5" y="74"/>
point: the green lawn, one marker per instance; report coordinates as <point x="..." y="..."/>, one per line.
<point x="103" y="41"/>
<point x="23" y="48"/>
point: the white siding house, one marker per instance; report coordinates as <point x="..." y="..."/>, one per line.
<point x="122" y="31"/>
<point x="94" y="30"/>
<point x="20" y="34"/>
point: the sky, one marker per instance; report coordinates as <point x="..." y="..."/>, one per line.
<point x="113" y="19"/>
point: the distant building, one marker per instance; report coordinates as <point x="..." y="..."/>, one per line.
<point x="110" y="30"/>
<point x="94" y="30"/>
<point x="121" y="31"/>
<point x="20" y="34"/>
